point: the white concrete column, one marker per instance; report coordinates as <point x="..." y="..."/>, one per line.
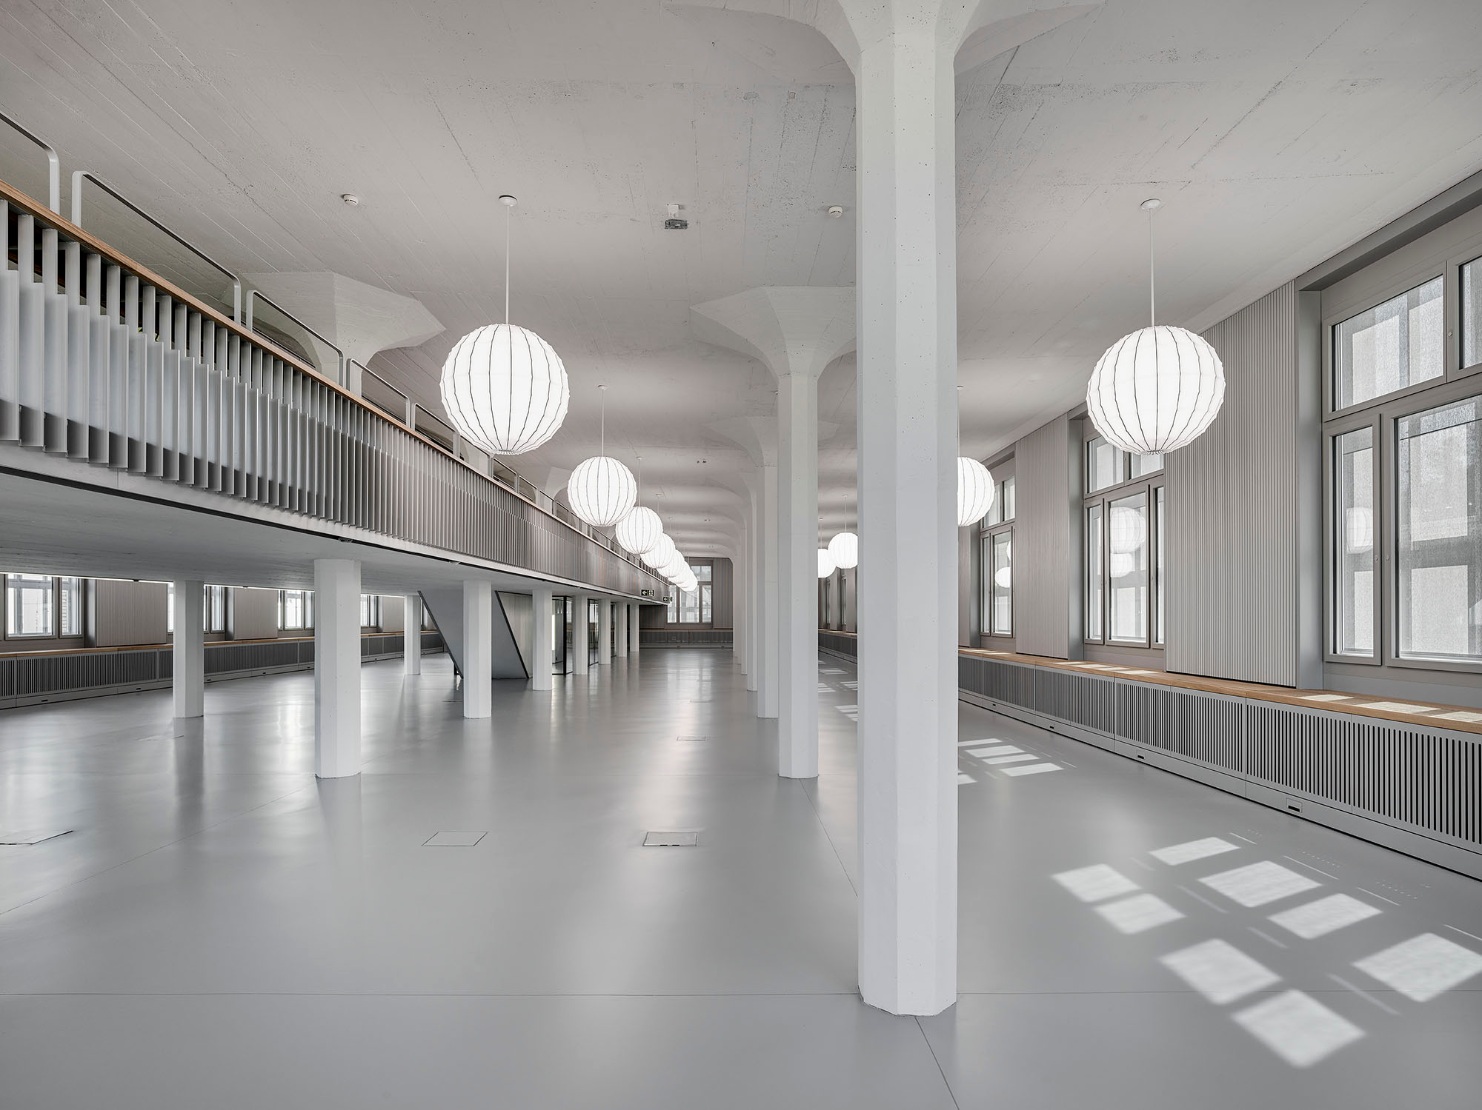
<point x="542" y="605"/>
<point x="755" y="593"/>
<point x="478" y="649"/>
<point x="797" y="579"/>
<point x="635" y="627"/>
<point x="581" y="636"/>
<point x="336" y="668"/>
<point x="604" y="631"/>
<point x="767" y="693"/>
<point x="411" y="634"/>
<point x="620" y="632"/>
<point x="189" y="679"/>
<point x="740" y="614"/>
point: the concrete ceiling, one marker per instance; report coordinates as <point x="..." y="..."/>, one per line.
<point x="1275" y="132"/>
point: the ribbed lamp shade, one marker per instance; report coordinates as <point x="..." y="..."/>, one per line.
<point x="674" y="568"/>
<point x="602" y="491"/>
<point x="974" y="492"/>
<point x="639" y="530"/>
<point x="826" y="565"/>
<point x="845" y="550"/>
<point x="1156" y="390"/>
<point x="505" y="389"/>
<point x="661" y="552"/>
<point x="1127" y="530"/>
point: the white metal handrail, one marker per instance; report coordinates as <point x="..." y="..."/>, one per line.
<point x="53" y="163"/>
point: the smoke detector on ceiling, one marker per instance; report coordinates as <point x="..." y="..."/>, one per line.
<point x="676" y="222"/>
<point x="351" y="199"/>
<point x="835" y="211"/>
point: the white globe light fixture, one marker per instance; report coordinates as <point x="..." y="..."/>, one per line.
<point x="1127" y="530"/>
<point x="844" y="548"/>
<point x="974" y="491"/>
<point x="1003" y="577"/>
<point x="602" y="490"/>
<point x="826" y="565"/>
<point x="503" y="386"/>
<point x="639" y="531"/>
<point x="1159" y="388"/>
<point x="661" y="552"/>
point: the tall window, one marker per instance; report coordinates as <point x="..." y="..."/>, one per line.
<point x="1124" y="531"/>
<point x="69" y="606"/>
<point x="370" y="610"/>
<point x="997" y="548"/>
<point x="29" y="602"/>
<point x="215" y="608"/>
<point x="694" y="606"/>
<point x="1404" y="467"/>
<point x="295" y="609"/>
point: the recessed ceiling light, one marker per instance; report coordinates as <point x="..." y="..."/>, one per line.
<point x="351" y="199"/>
<point x="835" y="211"/>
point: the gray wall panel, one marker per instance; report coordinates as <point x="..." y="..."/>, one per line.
<point x="722" y="594"/>
<point x="254" y="614"/>
<point x="1046" y="562"/>
<point x="125" y="613"/>
<point x="1232" y="510"/>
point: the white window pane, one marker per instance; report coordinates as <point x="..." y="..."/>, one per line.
<point x="1003" y="583"/>
<point x="1353" y="542"/>
<point x="1158" y="621"/>
<point x="1391" y="346"/>
<point x="1008" y="499"/>
<point x="70" y="602"/>
<point x="1471" y="313"/>
<point x="28" y="605"/>
<point x="1104" y="465"/>
<point x="1439" y="546"/>
<point x="1127" y="568"/>
<point x="1146" y="464"/>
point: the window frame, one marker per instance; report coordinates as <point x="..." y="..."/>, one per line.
<point x="1147" y="485"/>
<point x="995" y="523"/>
<point x="1384" y="419"/>
<point x="56" y="614"/>
<point x="308" y="625"/>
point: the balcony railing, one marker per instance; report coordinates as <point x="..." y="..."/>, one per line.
<point x="107" y="363"/>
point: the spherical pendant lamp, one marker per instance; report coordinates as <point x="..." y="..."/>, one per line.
<point x="639" y="531"/>
<point x="503" y="387"/>
<point x="974" y="491"/>
<point x="826" y="565"/>
<point x="845" y="550"/>
<point x="1003" y="577"/>
<point x="602" y="491"/>
<point x="674" y="568"/>
<point x="1127" y="530"/>
<point x="661" y="552"/>
<point x="1157" y="389"/>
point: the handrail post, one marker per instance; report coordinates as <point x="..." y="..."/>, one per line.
<point x="53" y="164"/>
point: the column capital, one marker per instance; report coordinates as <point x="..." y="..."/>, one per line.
<point x="790" y="329"/>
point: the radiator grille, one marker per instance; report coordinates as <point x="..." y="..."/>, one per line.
<point x="1425" y="778"/>
<point x="686" y="637"/>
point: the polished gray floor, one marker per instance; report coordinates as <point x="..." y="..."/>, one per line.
<point x="219" y="929"/>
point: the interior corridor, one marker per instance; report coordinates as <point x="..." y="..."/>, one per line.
<point x="474" y="921"/>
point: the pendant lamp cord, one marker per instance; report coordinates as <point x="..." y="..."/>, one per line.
<point x="506" y="263"/>
<point x="602" y="450"/>
<point x="1152" y="279"/>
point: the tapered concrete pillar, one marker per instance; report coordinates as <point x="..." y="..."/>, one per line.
<point x="740" y="614"/>
<point x="620" y="629"/>
<point x="189" y="672"/>
<point x="478" y="649"/>
<point x="542" y="663"/>
<point x="903" y="56"/>
<point x="754" y="593"/>
<point x="411" y="635"/>
<point x="796" y="333"/>
<point x="604" y="630"/>
<point x="635" y="627"/>
<point x="336" y="668"/>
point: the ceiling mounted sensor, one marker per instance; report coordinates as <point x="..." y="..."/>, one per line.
<point x="602" y="490"/>
<point x="1159" y="388"/>
<point x="835" y="211"/>
<point x="675" y="221"/>
<point x="503" y="386"/>
<point x="974" y="491"/>
<point x="351" y="199"/>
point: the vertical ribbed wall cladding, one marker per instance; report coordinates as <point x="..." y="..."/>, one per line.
<point x="1045" y="600"/>
<point x="1232" y="510"/>
<point x="722" y="594"/>
<point x="1422" y="780"/>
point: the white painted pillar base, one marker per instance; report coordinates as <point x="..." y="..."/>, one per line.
<point x="478" y="649"/>
<point x="797" y="530"/>
<point x="635" y="627"/>
<point x="336" y="668"/>
<point x="411" y="634"/>
<point x="542" y="662"/>
<point x="604" y="631"/>
<point x="189" y="679"/>
<point x="907" y="808"/>
<point x="620" y="633"/>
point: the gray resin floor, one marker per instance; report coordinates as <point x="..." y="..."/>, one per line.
<point x="219" y="930"/>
